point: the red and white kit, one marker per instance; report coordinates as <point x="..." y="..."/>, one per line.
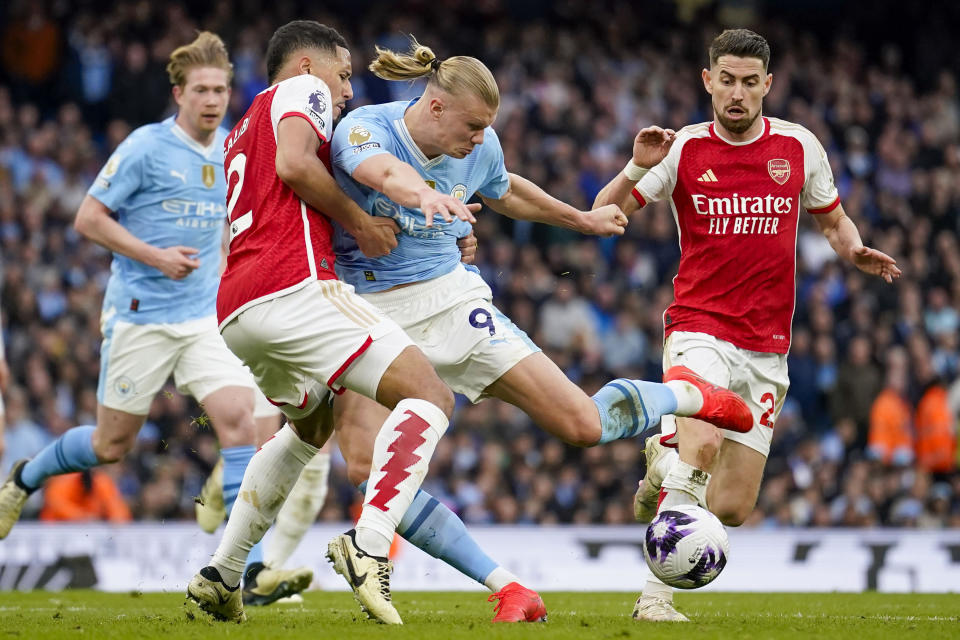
<point x="737" y="205"/>
<point x="280" y="307"/>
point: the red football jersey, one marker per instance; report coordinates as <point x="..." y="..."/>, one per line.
<point x="736" y="205"/>
<point x="278" y="243"/>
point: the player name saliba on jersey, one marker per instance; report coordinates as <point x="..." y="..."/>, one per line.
<point x="734" y="214"/>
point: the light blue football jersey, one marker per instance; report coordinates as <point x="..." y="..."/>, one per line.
<point x="422" y="252"/>
<point x="166" y="190"/>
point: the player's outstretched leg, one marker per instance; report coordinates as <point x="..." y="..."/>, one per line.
<point x="209" y="505"/>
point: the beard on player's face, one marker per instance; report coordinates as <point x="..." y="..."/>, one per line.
<point x="738" y="125"/>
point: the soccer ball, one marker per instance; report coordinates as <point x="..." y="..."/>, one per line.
<point x="686" y="547"/>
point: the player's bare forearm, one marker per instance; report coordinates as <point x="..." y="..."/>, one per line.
<point x="619" y="192"/>
<point x="94" y="222"/>
<point x="524" y="200"/>
<point x="843" y="236"/>
<point x="392" y="177"/>
<point x="840" y="232"/>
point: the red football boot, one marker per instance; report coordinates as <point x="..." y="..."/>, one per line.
<point x="518" y="604"/>
<point x="721" y="407"/>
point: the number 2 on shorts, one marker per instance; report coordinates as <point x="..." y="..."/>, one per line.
<point x="765" y="418"/>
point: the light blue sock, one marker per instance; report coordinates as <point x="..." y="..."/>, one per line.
<point x="73" y="451"/>
<point x="627" y="407"/>
<point x="235" y="461"/>
<point x="429" y="525"/>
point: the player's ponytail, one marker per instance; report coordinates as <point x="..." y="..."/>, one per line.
<point x="457" y="75"/>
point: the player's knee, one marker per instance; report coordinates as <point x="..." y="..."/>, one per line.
<point x="358" y="472"/>
<point x="580" y="428"/>
<point x="438" y="393"/>
<point x="235" y="426"/>
<point x="112" y="450"/>
<point x="732" y="513"/>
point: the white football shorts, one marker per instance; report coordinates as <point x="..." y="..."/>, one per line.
<point x="760" y="378"/>
<point x="137" y="359"/>
<point x="452" y="319"/>
<point x="321" y="338"/>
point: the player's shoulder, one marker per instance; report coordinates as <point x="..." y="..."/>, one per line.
<point x="693" y="131"/>
<point x="380" y="113"/>
<point x="789" y="129"/>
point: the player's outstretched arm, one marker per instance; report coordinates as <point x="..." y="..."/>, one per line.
<point x="400" y="182"/>
<point x="301" y="170"/>
<point x="650" y="146"/>
<point x="526" y="201"/>
<point x="94" y="222"/>
<point x="843" y="236"/>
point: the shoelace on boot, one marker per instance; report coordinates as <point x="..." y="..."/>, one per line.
<point x="384" y="569"/>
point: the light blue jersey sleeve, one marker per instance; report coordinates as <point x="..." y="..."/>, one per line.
<point x="122" y="175"/>
<point x="362" y="139"/>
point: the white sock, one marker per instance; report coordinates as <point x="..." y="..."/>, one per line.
<point x="657" y="589"/>
<point x="499" y="578"/>
<point x="271" y="474"/>
<point x="401" y="456"/>
<point x="689" y="398"/>
<point x="683" y="484"/>
<point x="298" y="512"/>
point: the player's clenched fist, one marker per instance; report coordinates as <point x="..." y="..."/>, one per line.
<point x="607" y="220"/>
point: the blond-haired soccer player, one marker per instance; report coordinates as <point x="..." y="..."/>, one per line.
<point x="737" y="186"/>
<point x="158" y="205"/>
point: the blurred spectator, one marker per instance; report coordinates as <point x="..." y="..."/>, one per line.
<point x="82" y="497"/>
<point x="890" y="438"/>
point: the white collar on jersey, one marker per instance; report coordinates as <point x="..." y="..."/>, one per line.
<point x="766" y="126"/>
<point x="193" y="144"/>
<point x="407" y="140"/>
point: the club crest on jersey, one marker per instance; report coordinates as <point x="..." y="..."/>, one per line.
<point x="459" y="192"/>
<point x="358" y="135"/>
<point x="209" y="176"/>
<point x="779" y="170"/>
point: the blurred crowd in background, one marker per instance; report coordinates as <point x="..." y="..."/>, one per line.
<point x="867" y="434"/>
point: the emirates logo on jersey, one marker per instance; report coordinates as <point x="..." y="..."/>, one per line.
<point x="779" y="170"/>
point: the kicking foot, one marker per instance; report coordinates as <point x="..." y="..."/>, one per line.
<point x="13" y="495"/>
<point x="518" y="604"/>
<point x="648" y="494"/>
<point x="211" y="595"/>
<point x="263" y="585"/>
<point x="368" y="576"/>
<point x="654" y="609"/>
<point x="209" y="504"/>
<point x="721" y="407"/>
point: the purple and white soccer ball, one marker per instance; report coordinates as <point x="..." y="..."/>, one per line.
<point x="686" y="547"/>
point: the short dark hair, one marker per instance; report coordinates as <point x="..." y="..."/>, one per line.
<point x="300" y="34"/>
<point x="742" y="43"/>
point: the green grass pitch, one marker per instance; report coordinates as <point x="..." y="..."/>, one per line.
<point x="92" y="614"/>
